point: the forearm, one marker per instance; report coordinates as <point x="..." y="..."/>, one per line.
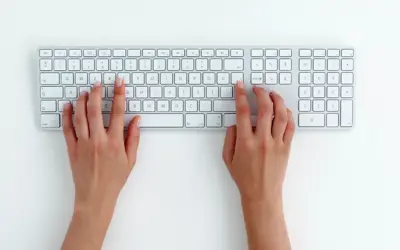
<point x="265" y="225"/>
<point x="88" y="226"/>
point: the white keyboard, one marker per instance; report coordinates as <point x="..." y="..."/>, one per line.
<point x="192" y="87"/>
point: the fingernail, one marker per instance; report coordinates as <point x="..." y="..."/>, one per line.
<point x="84" y="93"/>
<point x="240" y="84"/>
<point x="138" y="122"/>
<point x="119" y="82"/>
<point x="96" y="84"/>
<point x="67" y="105"/>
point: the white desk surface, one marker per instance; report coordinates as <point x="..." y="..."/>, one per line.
<point x="341" y="190"/>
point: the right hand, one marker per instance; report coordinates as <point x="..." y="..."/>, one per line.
<point x="257" y="159"/>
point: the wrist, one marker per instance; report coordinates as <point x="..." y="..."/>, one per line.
<point x="262" y="207"/>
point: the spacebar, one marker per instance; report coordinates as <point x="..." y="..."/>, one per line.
<point x="152" y="120"/>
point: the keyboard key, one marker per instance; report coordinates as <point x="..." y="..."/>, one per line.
<point x="134" y="53"/>
<point x="214" y="120"/>
<point x="61" y="105"/>
<point x="207" y="52"/>
<point x="226" y="92"/>
<point x="94" y="77"/>
<point x="257" y="64"/>
<point x="319" y="52"/>
<point x="128" y="92"/>
<point x="157" y="120"/>
<point x="48" y="106"/>
<point x="285" y="78"/>
<point x="101" y="64"/>
<point x="187" y="64"/>
<point x="109" y="78"/>
<point x="45" y="53"/>
<point x="212" y="92"/>
<point x="162" y="106"/>
<point x="271" y="53"/>
<point x="333" y="52"/>
<point x="104" y="53"/>
<point x="178" y="52"/>
<point x="180" y="78"/>
<point x="193" y="52"/>
<point x="71" y="92"/>
<point x="177" y="106"/>
<point x="257" y="52"/>
<point x="205" y="106"/>
<point x="194" y="120"/>
<point x="137" y="78"/>
<point x="333" y="64"/>
<point x="198" y="92"/>
<point x="318" y="92"/>
<point x="304" y="105"/>
<point x="222" y="52"/>
<point x="304" y="78"/>
<point x="319" y="64"/>
<point x="170" y="92"/>
<point x="75" y="53"/>
<point x="333" y="78"/>
<point x="152" y="78"/>
<point x="208" y="78"/>
<point x="305" y="53"/>
<point x="149" y="53"/>
<point x="319" y="78"/>
<point x="88" y="64"/>
<point x="60" y="53"/>
<point x="271" y="64"/>
<point x="155" y="92"/>
<point x="347" y="64"/>
<point x="236" y="77"/>
<point x="184" y="92"/>
<point x="285" y="53"/>
<point x="256" y="78"/>
<point x="89" y="53"/>
<point x="224" y="106"/>
<point x="116" y="64"/>
<point x="148" y="106"/>
<point x="311" y="120"/>
<point x="119" y="53"/>
<point x="51" y="92"/>
<point x="332" y="105"/>
<point x="332" y="120"/>
<point x="305" y="64"/>
<point x="130" y="64"/>
<point x="304" y="92"/>
<point x="166" y="78"/>
<point x="106" y="106"/>
<point x="223" y="78"/>
<point x="194" y="78"/>
<point x="163" y="53"/>
<point x="60" y="64"/>
<point x="125" y="77"/>
<point x="144" y="64"/>
<point x="50" y="78"/>
<point x="347" y="53"/>
<point x="141" y="92"/>
<point x="81" y="78"/>
<point x="333" y="92"/>
<point x="134" y="106"/>
<point x="346" y="92"/>
<point x="347" y="78"/>
<point x="346" y="113"/>
<point x="233" y="64"/>
<point x="190" y="106"/>
<point x="173" y="64"/>
<point x="201" y="64"/>
<point x="50" y="121"/>
<point x="45" y="64"/>
<point x="271" y="78"/>
<point x="216" y="64"/>
<point x="237" y="53"/>
<point x="86" y="89"/>
<point x="319" y="105"/>
<point x="285" y="64"/>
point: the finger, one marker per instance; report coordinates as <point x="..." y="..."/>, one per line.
<point x="118" y="109"/>
<point x="229" y="146"/>
<point x="243" y="121"/>
<point x="264" y="112"/>
<point x="81" y="123"/>
<point x="132" y="140"/>
<point x="68" y="127"/>
<point x="95" y="118"/>
<point x="290" y="127"/>
<point x="280" y="116"/>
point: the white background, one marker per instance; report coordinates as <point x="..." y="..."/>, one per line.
<point x="342" y="188"/>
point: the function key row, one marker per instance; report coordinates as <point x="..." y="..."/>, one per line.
<point x="271" y="52"/>
<point x="324" y="53"/>
<point x="142" y="53"/>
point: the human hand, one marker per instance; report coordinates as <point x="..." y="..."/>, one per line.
<point x="100" y="159"/>
<point x="257" y="159"/>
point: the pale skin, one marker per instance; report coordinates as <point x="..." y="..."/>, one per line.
<point x="101" y="161"/>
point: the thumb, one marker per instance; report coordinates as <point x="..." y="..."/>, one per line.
<point x="132" y="140"/>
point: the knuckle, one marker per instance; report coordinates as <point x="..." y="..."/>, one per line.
<point x="243" y="109"/>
